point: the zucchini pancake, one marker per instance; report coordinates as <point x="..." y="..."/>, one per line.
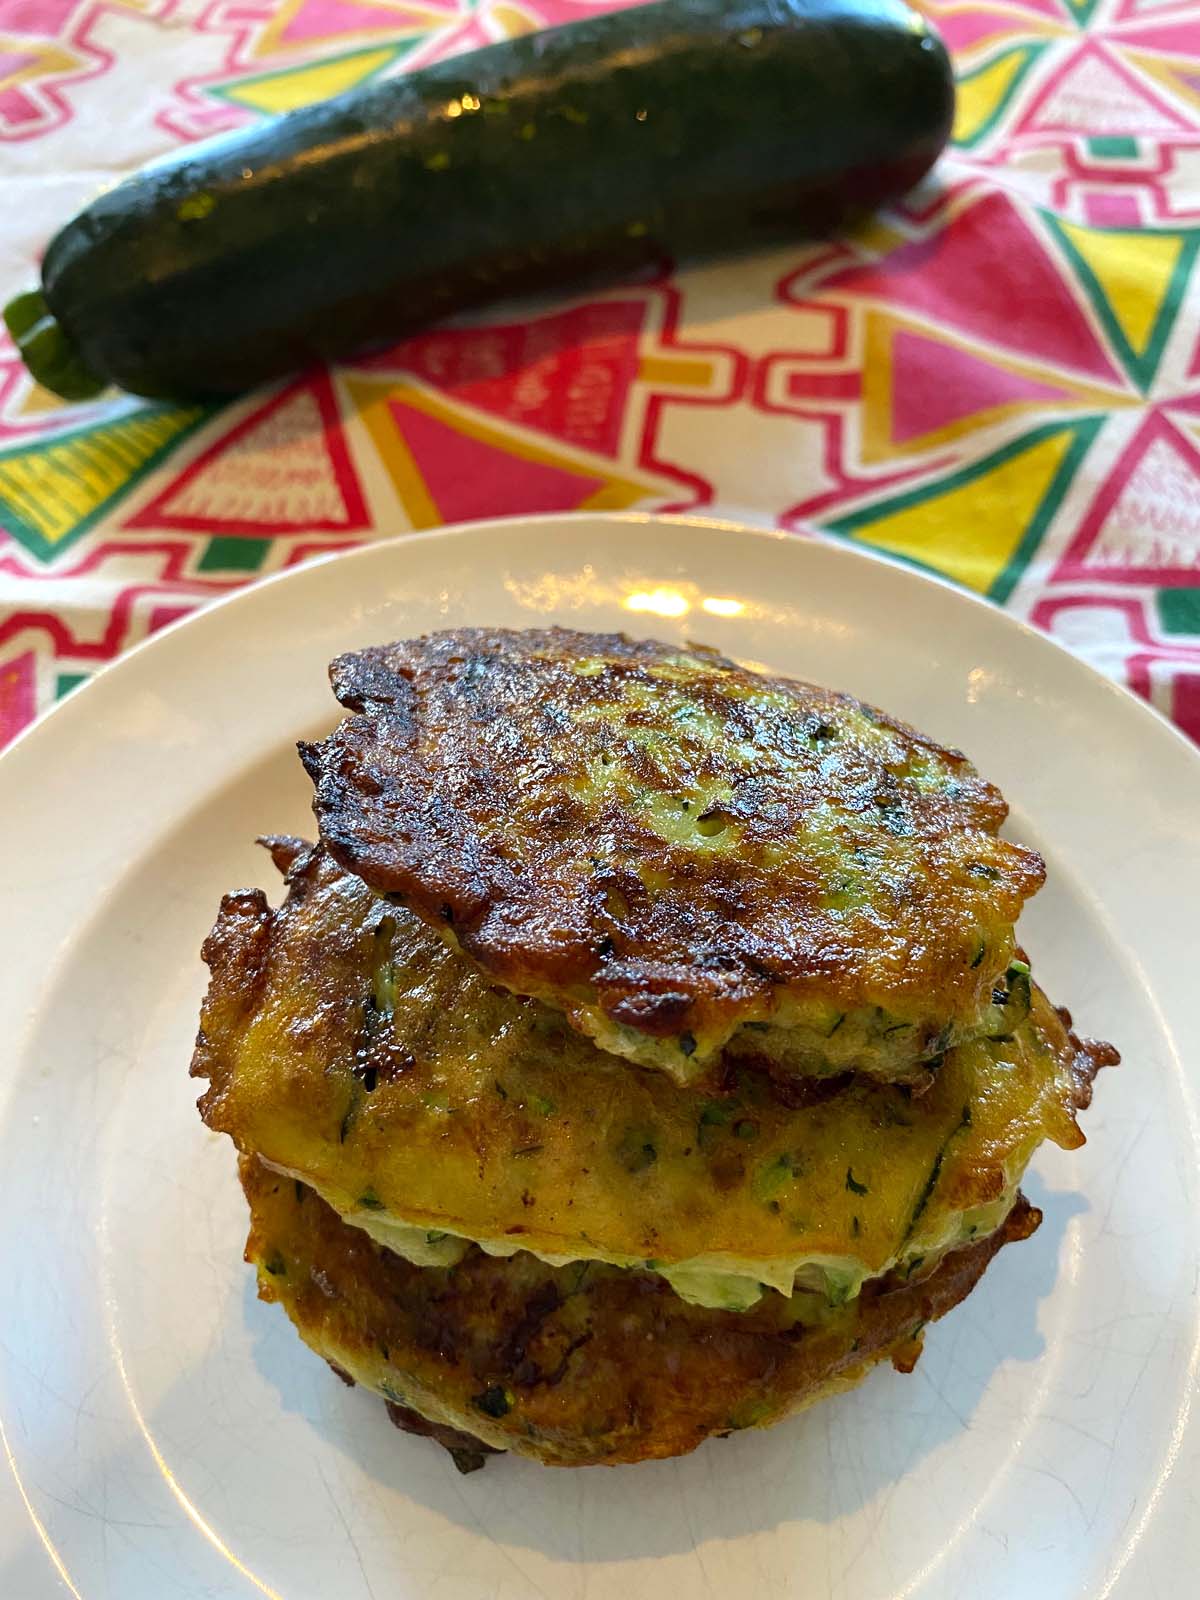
<point x="681" y="855"/>
<point x="642" y="1052"/>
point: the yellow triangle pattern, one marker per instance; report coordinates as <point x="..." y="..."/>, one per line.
<point x="38" y="402"/>
<point x="971" y="531"/>
<point x="1134" y="271"/>
<point x="1170" y="75"/>
<point x="878" y="409"/>
<point x="304" y="86"/>
<point x="512" y="21"/>
<point x="398" y="18"/>
<point x="370" y="398"/>
<point x="981" y="93"/>
<point x="53" y="488"/>
<point x="48" y="60"/>
<point x="990" y="29"/>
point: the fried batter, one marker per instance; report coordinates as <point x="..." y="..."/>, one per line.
<point x="677" y="852"/>
<point x="349" y="1047"/>
<point x="575" y="1365"/>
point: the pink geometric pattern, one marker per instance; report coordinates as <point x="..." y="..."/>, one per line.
<point x="997" y="380"/>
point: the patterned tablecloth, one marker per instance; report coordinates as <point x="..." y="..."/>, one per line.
<point x="998" y="380"/>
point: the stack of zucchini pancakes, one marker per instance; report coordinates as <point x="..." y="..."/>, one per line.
<point x="643" y="1050"/>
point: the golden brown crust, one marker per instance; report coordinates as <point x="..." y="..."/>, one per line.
<point x="659" y="841"/>
<point x="575" y="1365"/>
<point x="346" y="1044"/>
<point x="1088" y="1056"/>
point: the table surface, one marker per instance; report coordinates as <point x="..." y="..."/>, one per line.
<point x="998" y="380"/>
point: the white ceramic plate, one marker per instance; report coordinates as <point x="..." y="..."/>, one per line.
<point x="168" y="1436"/>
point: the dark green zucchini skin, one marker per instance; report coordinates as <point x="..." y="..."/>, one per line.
<point x="672" y="130"/>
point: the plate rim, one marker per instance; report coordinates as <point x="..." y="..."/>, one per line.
<point x="1080" y="677"/>
<point x="840" y="548"/>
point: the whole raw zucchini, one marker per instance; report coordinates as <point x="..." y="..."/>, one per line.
<point x="670" y="130"/>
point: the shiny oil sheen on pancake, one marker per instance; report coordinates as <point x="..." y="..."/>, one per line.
<point x="347" y="1045"/>
<point x="677" y="853"/>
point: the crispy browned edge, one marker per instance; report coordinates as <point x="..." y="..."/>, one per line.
<point x="751" y="1355"/>
<point x="383" y="814"/>
<point x="238" y="948"/>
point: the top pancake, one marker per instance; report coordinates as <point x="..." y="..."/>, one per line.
<point x="678" y="853"/>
